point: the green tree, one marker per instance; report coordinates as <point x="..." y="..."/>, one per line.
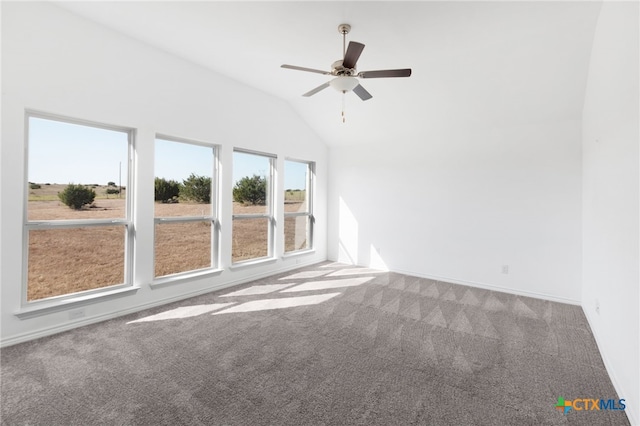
<point x="251" y="190"/>
<point x="76" y="196"/>
<point x="166" y="190"/>
<point x="196" y="188"/>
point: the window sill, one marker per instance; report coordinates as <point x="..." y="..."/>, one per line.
<point x="44" y="308"/>
<point x="183" y="277"/>
<point x="252" y="262"/>
<point x="298" y="253"/>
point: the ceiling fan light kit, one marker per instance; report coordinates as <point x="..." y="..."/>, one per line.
<point x="345" y="72"/>
<point x="344" y="84"/>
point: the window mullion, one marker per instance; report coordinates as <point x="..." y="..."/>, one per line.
<point x="184" y="219"/>
<point x="37" y="224"/>
<point x="295" y="214"/>
<point x="252" y="216"/>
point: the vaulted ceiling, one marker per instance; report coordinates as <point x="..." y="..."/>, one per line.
<point x="474" y="63"/>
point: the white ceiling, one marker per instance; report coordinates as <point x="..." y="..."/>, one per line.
<point x="474" y="63"/>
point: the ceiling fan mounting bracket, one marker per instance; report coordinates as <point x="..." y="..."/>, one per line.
<point x="344" y="29"/>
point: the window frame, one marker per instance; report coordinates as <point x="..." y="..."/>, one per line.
<point x="48" y="304"/>
<point x="212" y="217"/>
<point x="311" y="167"/>
<point x="269" y="214"/>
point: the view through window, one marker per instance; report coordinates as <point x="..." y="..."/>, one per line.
<point x="184" y="192"/>
<point x="78" y="219"/>
<point x="78" y="222"/>
<point x="252" y="232"/>
<point x="298" y="220"/>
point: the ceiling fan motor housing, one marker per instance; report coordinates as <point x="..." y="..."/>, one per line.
<point x="338" y="69"/>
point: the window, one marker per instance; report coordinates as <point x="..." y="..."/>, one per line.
<point x="298" y="217"/>
<point x="185" y="207"/>
<point x="78" y="228"/>
<point x="253" y="221"/>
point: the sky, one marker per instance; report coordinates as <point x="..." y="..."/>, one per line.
<point x="68" y="153"/>
<point x="59" y="153"/>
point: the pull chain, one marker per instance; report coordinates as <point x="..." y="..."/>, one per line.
<point x="344" y="118"/>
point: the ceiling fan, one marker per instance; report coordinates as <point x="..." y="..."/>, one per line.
<point x="344" y="70"/>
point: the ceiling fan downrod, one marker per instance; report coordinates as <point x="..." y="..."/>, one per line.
<point x="344" y="30"/>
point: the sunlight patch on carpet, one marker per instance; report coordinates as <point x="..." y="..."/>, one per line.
<point x="323" y="285"/>
<point x="258" y="289"/>
<point x="182" y="312"/>
<point x="267" y="304"/>
<point x="355" y="271"/>
<point x="305" y="275"/>
<point x="333" y="265"/>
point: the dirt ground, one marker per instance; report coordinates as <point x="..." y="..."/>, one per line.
<point x="63" y="261"/>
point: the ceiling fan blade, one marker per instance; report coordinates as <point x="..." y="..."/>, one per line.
<point x="406" y="72"/>
<point x="316" y="90"/>
<point x="362" y="93"/>
<point x="293" y="67"/>
<point x="352" y="54"/>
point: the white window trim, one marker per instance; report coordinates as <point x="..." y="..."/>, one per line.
<point x="214" y="268"/>
<point x="269" y="215"/>
<point x="49" y="305"/>
<point x="298" y="253"/>
<point x="61" y="302"/>
<point x="186" y="276"/>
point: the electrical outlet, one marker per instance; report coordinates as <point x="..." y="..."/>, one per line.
<point x="597" y="307"/>
<point x="505" y="269"/>
<point x="76" y="313"/>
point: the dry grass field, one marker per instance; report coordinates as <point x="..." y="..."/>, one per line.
<point x="68" y="260"/>
<point x="63" y="261"/>
<point x="49" y="192"/>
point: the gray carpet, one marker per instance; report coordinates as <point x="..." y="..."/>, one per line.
<point x="361" y="348"/>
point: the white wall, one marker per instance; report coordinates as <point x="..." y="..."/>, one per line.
<point x="611" y="268"/>
<point x="56" y="62"/>
<point x="464" y="201"/>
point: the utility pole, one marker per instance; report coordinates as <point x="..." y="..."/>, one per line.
<point x="120" y="180"/>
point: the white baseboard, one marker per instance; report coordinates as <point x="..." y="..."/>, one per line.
<point x="631" y="412"/>
<point x="482" y="285"/>
<point x="485" y="286"/>
<point x="48" y="331"/>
